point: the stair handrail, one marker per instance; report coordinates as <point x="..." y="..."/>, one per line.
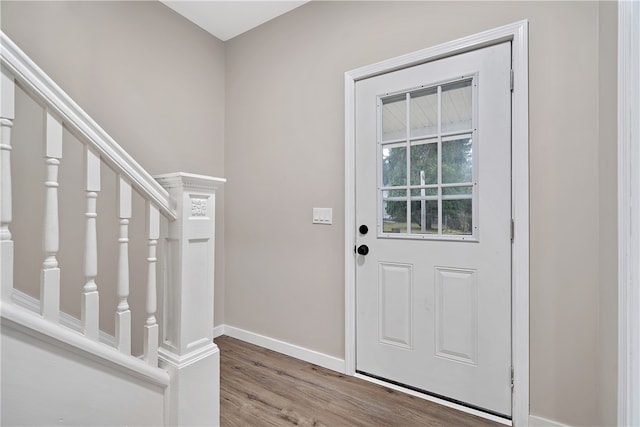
<point x="35" y="81"/>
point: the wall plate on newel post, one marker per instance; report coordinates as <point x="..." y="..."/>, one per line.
<point x="187" y="350"/>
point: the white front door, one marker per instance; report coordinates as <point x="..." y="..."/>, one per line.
<point x="433" y="192"/>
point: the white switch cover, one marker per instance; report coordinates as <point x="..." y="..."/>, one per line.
<point x="322" y="215"/>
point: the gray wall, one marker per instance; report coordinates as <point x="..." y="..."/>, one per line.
<point x="607" y="193"/>
<point x="155" y="83"/>
<point x="284" y="154"/>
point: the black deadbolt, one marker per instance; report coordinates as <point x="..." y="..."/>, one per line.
<point x="363" y="229"/>
<point x="363" y="249"/>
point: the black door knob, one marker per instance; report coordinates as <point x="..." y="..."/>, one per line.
<point x="363" y="249"/>
<point x="363" y="229"/>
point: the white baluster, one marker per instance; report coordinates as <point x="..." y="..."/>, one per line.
<point x="7" y="114"/>
<point x="90" y="302"/>
<point x="50" y="275"/>
<point x="151" y="326"/>
<point x="123" y="314"/>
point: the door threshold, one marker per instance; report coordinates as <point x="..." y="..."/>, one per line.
<point x="435" y="399"/>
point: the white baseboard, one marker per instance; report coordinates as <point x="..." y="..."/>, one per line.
<point x="218" y="331"/>
<point x="535" y="421"/>
<point x="311" y="356"/>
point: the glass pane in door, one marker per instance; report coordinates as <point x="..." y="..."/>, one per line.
<point x="394" y="216"/>
<point x="424" y="217"/>
<point x="424" y="112"/>
<point x="457" y="161"/>
<point x="394" y="165"/>
<point x="424" y="163"/>
<point x="394" y="118"/>
<point x="456" y="217"/>
<point x="457" y="109"/>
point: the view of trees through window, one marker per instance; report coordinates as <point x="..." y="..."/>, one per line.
<point x="431" y="191"/>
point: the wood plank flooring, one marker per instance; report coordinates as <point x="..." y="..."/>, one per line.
<point x="259" y="387"/>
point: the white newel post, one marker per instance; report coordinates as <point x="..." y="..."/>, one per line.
<point x="7" y="114"/>
<point x="187" y="350"/>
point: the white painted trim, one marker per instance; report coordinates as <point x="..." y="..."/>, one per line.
<point x="219" y="331"/>
<point x="31" y="78"/>
<point x="32" y="304"/>
<point x="350" y="223"/>
<point x="191" y="180"/>
<point x="311" y="356"/>
<point x="23" y="320"/>
<point x="543" y="422"/>
<point x="433" y="399"/>
<point x="517" y="33"/>
<point x="520" y="207"/>
<point x="181" y="362"/>
<point x="628" y="213"/>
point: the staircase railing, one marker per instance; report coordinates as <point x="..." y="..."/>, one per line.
<point x="195" y="198"/>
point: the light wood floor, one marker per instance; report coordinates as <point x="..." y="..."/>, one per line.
<point x="259" y="387"/>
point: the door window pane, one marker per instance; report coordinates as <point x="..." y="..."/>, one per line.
<point x="394" y="216"/>
<point x="394" y="193"/>
<point x="424" y="112"/>
<point x="456" y="217"/>
<point x="457" y="161"/>
<point x="455" y="192"/>
<point x="424" y="164"/>
<point x="457" y="110"/>
<point x="424" y="217"/>
<point x="394" y="118"/>
<point x="394" y="165"/>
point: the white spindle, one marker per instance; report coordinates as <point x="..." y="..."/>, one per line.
<point x="90" y="302"/>
<point x="50" y="275"/>
<point x="151" y="326"/>
<point x="7" y="114"/>
<point x="123" y="314"/>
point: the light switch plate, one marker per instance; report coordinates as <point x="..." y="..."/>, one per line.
<point x="322" y="215"/>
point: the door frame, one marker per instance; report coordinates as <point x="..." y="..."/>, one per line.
<point x="517" y="33"/>
<point x="628" y="218"/>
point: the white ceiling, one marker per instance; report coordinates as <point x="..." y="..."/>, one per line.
<point x="226" y="19"/>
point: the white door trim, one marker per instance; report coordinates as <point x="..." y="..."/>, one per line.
<point x="628" y="217"/>
<point x="517" y="33"/>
